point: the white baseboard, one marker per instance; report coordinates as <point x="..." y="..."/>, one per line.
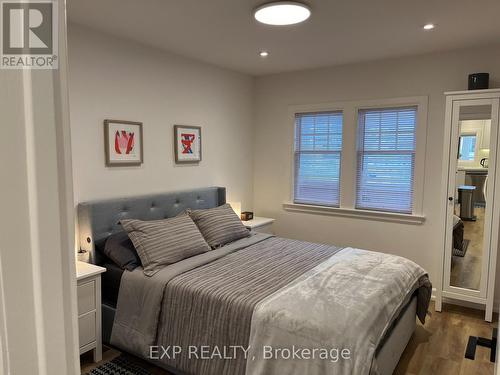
<point x="468" y="304"/>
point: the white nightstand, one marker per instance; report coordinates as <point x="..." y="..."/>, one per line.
<point x="260" y="224"/>
<point x="88" y="278"/>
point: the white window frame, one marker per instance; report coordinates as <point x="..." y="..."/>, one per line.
<point x="468" y="163"/>
<point x="348" y="166"/>
<point x="296" y="115"/>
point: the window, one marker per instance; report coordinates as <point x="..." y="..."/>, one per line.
<point x="386" y="159"/>
<point x="467" y="150"/>
<point x="360" y="159"/>
<point x="318" y="146"/>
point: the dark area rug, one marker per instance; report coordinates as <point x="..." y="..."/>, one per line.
<point x="121" y="365"/>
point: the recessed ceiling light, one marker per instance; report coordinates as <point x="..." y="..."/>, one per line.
<point x="263" y="53"/>
<point x="429" y="26"/>
<point x="282" y="13"/>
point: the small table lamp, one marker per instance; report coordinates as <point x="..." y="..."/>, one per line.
<point x="236" y="206"/>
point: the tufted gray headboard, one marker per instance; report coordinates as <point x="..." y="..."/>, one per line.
<point x="98" y="219"/>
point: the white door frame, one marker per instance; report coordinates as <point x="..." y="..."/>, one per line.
<point x="38" y="284"/>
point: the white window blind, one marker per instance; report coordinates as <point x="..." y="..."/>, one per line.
<point x="386" y="159"/>
<point x="318" y="146"/>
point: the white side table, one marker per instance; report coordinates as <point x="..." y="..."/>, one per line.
<point x="88" y="278"/>
<point x="260" y="224"/>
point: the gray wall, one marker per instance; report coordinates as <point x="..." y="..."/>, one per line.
<point x="429" y="75"/>
<point x="247" y="134"/>
<point x="119" y="79"/>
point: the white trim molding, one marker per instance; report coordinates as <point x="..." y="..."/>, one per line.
<point x="4" y="343"/>
<point x="355" y="213"/>
<point x="38" y="305"/>
<point x="461" y="302"/>
<point x="485" y="294"/>
<point x="348" y="162"/>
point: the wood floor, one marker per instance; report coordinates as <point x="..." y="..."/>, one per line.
<point x="466" y="271"/>
<point x="439" y="346"/>
<point x="436" y="348"/>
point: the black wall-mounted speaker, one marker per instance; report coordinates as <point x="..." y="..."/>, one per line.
<point x="479" y="81"/>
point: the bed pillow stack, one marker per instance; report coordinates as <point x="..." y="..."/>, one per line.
<point x="163" y="242"/>
<point x="120" y="249"/>
<point x="219" y="225"/>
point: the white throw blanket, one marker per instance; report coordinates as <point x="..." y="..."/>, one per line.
<point x="346" y="303"/>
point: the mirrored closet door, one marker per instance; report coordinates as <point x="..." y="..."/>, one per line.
<point x="471" y="230"/>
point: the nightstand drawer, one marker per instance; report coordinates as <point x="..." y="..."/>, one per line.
<point x="88" y="278"/>
<point x="86" y="297"/>
<point x="86" y="329"/>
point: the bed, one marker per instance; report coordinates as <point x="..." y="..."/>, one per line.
<point x="244" y="293"/>
<point x="460" y="244"/>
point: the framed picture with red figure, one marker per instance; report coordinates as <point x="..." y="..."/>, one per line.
<point x="123" y="143"/>
<point x="187" y="144"/>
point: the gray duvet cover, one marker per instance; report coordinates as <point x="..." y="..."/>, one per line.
<point x="259" y="291"/>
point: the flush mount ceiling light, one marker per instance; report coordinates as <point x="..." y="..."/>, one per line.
<point x="429" y="26"/>
<point x="282" y="13"/>
<point x="263" y="53"/>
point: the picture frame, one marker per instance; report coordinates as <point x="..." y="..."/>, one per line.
<point x="187" y="144"/>
<point x="123" y="142"/>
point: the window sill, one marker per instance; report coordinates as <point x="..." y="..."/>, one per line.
<point x="354" y="213"/>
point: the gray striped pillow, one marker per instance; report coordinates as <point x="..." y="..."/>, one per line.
<point x="162" y="242"/>
<point x="219" y="225"/>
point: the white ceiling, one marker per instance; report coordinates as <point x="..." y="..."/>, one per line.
<point x="224" y="33"/>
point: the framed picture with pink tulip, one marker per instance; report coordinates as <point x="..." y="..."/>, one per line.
<point x="123" y="143"/>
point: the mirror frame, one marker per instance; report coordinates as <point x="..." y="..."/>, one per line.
<point x="443" y="290"/>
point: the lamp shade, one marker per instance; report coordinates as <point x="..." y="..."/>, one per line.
<point x="236" y="206"/>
